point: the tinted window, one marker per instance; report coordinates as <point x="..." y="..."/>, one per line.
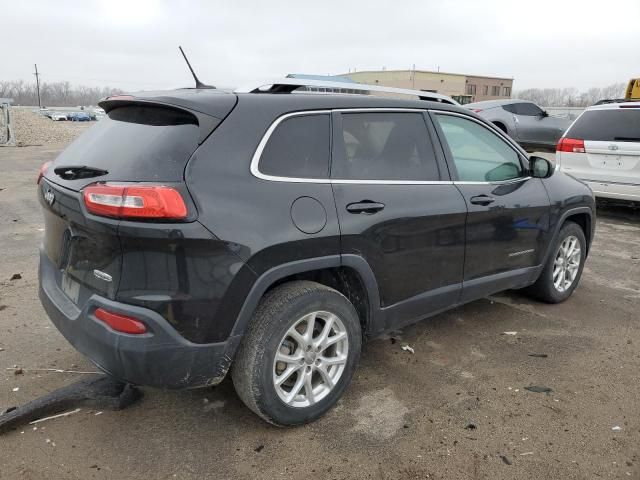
<point x="527" y="109"/>
<point x="384" y="146"/>
<point x="479" y="154"/>
<point x="141" y="143"/>
<point x="511" y="108"/>
<point x="608" y="125"/>
<point x="298" y="148"/>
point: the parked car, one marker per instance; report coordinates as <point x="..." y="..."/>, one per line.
<point x="194" y="232"/>
<point x="58" y="117"/>
<point x="528" y="124"/>
<point x="602" y="147"/>
<point x="79" y="117"/>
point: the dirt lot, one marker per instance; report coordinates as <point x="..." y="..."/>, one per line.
<point x="404" y="416"/>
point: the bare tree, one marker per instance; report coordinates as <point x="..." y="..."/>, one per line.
<point x="57" y="94"/>
<point x="571" y="97"/>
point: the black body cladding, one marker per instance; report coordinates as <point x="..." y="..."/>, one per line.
<point x="400" y="248"/>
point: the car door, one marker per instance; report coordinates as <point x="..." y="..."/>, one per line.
<point x="507" y="224"/>
<point x="534" y="126"/>
<point x="398" y="208"/>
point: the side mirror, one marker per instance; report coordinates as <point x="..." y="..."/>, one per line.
<point x="540" y="167"/>
<point x="544" y="114"/>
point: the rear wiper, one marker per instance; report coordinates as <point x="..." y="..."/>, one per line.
<point x="627" y="139"/>
<point x="75" y="172"/>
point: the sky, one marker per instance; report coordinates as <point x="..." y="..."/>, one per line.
<point x="133" y="44"/>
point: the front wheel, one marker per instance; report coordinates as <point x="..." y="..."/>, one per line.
<point x="563" y="269"/>
<point x="299" y="353"/>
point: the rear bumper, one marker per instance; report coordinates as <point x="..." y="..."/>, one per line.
<point x="159" y="358"/>
<point x="613" y="190"/>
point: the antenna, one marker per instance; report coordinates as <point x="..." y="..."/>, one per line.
<point x="199" y="84"/>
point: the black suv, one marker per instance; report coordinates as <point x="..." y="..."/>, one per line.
<point x="194" y="232"/>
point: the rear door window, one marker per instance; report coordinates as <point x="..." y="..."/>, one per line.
<point x="384" y="146"/>
<point x="527" y="109"/>
<point x="479" y="154"/>
<point x="299" y="147"/>
<point x="615" y="125"/>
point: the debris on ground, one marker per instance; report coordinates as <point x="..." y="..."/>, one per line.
<point x="616" y="428"/>
<point x="101" y="391"/>
<point x="538" y="355"/>
<point x="505" y="460"/>
<point x="409" y="349"/>
<point x="15" y="389"/>
<point x="64" y="414"/>
<point x="16" y="276"/>
<point x="526" y="453"/>
<point x="470" y="426"/>
<point x="18" y="371"/>
<point x="538" y="389"/>
<point x="259" y="448"/>
<point x="509" y="333"/>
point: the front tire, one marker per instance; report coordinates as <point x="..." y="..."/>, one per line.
<point x="562" y="272"/>
<point x="299" y="353"/>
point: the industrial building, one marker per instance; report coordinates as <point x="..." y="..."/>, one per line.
<point x="463" y="88"/>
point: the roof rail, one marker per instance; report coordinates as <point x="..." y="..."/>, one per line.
<point x="288" y="85"/>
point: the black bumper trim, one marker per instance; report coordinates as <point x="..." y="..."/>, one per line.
<point x="159" y="358"/>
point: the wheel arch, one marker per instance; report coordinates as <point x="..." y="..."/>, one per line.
<point x="351" y="275"/>
<point x="583" y="216"/>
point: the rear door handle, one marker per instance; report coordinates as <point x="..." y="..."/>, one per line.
<point x="482" y="200"/>
<point x="367" y="207"/>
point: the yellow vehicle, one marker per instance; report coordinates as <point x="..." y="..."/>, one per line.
<point x="633" y="90"/>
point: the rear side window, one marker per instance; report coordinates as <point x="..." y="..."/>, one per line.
<point x="299" y="147"/>
<point x="384" y="146"/>
<point x="615" y="125"/>
<point x="479" y="154"/>
<point x="526" y="109"/>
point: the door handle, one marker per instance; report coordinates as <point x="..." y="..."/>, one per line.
<point x="482" y="200"/>
<point x="367" y="207"/>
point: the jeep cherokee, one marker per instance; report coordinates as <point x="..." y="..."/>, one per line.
<point x="195" y="232"/>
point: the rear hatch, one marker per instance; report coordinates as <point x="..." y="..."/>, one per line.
<point x="142" y="141"/>
<point x="611" y="146"/>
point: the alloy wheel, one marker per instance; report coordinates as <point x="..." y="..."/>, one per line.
<point x="310" y="359"/>
<point x="566" y="264"/>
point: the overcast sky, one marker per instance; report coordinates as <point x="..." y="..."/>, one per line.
<point x="132" y="44"/>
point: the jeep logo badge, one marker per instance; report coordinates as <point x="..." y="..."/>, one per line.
<point x="49" y="196"/>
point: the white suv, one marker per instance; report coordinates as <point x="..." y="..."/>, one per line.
<point x="602" y="148"/>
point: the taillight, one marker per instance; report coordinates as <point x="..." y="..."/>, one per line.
<point x="43" y="170"/>
<point x="135" y="201"/>
<point x="476" y="110"/>
<point x="121" y="323"/>
<point x="572" y="145"/>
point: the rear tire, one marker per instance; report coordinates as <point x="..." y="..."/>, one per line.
<point x="563" y="269"/>
<point x="315" y="333"/>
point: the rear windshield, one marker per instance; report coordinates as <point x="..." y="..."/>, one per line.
<point x="136" y="143"/>
<point x="617" y="125"/>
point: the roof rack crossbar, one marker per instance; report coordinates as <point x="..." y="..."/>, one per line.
<point x="288" y="85"/>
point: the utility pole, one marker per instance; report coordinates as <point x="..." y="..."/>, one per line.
<point x="38" y="85"/>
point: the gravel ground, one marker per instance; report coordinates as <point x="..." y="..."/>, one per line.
<point x="33" y="129"/>
<point x="456" y="409"/>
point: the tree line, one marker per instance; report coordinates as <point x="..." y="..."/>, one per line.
<point x="54" y="94"/>
<point x="571" y="97"/>
<point x="64" y="94"/>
